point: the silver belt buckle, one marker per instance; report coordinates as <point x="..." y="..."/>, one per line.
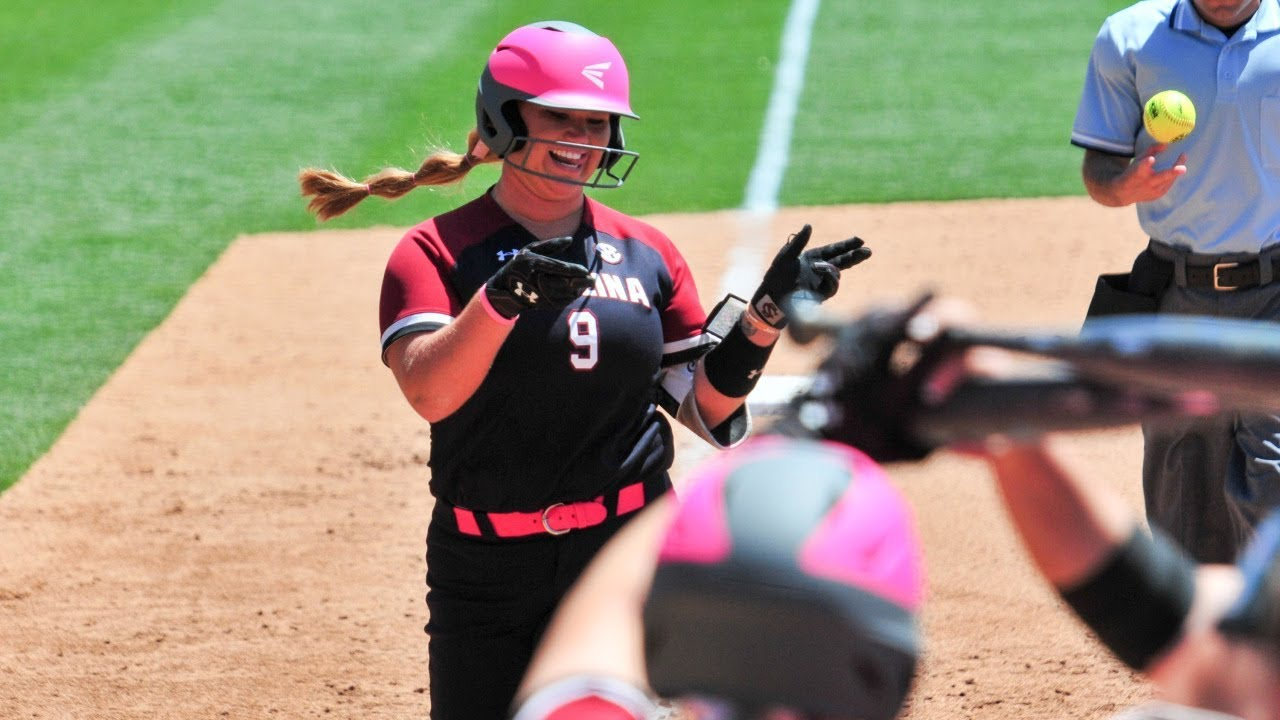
<point x="547" y="525"/>
<point x="1217" y="283"/>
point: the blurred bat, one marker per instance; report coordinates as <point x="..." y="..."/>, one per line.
<point x="1117" y="371"/>
<point x="808" y="321"/>
<point x="980" y="408"/>
<point x="1235" y="362"/>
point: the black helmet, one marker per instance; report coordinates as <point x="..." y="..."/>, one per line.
<point x="790" y="577"/>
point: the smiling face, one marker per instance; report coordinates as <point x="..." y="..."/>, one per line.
<point x="556" y="139"/>
<point x="1226" y="13"/>
<point x="560" y="154"/>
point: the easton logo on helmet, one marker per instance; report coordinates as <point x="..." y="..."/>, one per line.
<point x="595" y="73"/>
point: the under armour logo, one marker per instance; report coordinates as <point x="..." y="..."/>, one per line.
<point x="530" y="296"/>
<point x="752" y="375"/>
<point x="505" y="255"/>
<point x="595" y="73"/>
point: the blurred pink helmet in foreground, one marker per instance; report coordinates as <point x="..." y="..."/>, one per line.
<point x="791" y="576"/>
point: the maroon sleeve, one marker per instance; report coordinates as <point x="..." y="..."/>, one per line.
<point x="415" y="296"/>
<point x="684" y="316"/>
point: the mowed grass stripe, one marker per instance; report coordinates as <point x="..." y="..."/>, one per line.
<point x="124" y="185"/>
<point x="64" y="40"/>
<point x="940" y="101"/>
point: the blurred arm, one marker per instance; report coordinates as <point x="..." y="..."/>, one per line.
<point x="1069" y="527"/>
<point x="597" y="628"/>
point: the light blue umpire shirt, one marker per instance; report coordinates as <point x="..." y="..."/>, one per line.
<point x="1229" y="199"/>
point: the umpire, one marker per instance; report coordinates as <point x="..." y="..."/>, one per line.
<point x="1211" y="206"/>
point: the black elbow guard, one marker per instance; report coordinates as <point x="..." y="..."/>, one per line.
<point x="1137" y="601"/>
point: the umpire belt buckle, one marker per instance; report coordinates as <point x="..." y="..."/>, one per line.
<point x="1217" y="281"/>
<point x="546" y="524"/>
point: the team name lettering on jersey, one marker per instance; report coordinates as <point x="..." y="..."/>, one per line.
<point x="627" y="289"/>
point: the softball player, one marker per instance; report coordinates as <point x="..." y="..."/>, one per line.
<point x="1207" y="635"/>
<point x="1213" y="216"/>
<point x="538" y="331"/>
<point x="785" y="585"/>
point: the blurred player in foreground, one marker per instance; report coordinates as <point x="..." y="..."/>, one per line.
<point x="1207" y="635"/>
<point x="784" y="585"/>
<point x="735" y="621"/>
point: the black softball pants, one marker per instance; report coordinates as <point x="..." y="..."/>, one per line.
<point x="489" y="602"/>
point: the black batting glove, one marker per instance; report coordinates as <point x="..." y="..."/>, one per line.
<point x="535" y="279"/>
<point x="813" y="272"/>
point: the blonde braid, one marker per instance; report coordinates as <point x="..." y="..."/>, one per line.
<point x="333" y="193"/>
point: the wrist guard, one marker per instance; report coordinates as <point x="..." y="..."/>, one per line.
<point x="734" y="366"/>
<point x="1137" y="601"/>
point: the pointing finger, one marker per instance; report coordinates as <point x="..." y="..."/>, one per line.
<point x="851" y="258"/>
<point x="795" y="244"/>
<point x="837" y="249"/>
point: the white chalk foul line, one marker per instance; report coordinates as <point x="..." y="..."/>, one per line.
<point x="788" y="82"/>
<point x="774" y="152"/>
<point x="765" y="183"/>
<point x="746" y="257"/>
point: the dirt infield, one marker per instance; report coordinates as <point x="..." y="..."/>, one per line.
<point x="233" y="527"/>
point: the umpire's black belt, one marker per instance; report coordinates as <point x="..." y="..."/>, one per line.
<point x="1231" y="271"/>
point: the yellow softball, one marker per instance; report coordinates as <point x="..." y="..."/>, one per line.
<point x="1169" y="116"/>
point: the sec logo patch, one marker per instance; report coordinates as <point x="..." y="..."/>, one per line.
<point x="609" y="253"/>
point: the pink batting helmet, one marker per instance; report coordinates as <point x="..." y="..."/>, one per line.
<point x="555" y="64"/>
<point x="791" y="576"/>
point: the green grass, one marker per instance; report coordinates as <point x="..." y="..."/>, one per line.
<point x="140" y="137"/>
<point x="700" y="96"/>
<point x="942" y="101"/>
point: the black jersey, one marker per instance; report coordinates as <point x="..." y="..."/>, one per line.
<point x="568" y="410"/>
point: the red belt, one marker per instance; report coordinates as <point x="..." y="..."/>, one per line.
<point x="555" y="519"/>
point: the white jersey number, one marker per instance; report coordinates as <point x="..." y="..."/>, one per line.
<point x="584" y="333"/>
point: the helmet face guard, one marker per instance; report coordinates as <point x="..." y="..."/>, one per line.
<point x="790" y="577"/>
<point x="558" y="65"/>
<point x="612" y="172"/>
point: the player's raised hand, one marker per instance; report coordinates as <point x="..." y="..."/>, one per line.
<point x="535" y="279"/>
<point x="814" y="272"/>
